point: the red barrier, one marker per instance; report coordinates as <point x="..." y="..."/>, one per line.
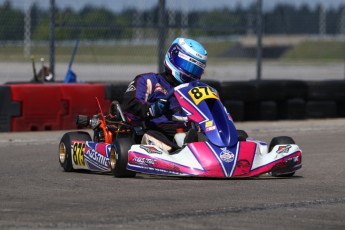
<point x="54" y="106"/>
<point x="81" y="99"/>
<point x="8" y="108"/>
<point x="41" y="107"/>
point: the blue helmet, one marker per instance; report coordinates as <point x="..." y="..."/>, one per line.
<point x="186" y="60"/>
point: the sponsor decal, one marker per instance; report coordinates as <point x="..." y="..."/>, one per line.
<point x="192" y="60"/>
<point x="151" y="149"/>
<point x="196" y="62"/>
<point x="165" y="171"/>
<point x="226" y="155"/>
<point x="97" y="157"/>
<point x="209" y="123"/>
<point x="199" y="55"/>
<point x="78" y="153"/>
<point x="131" y="87"/>
<point x="159" y="88"/>
<point x="143" y="160"/>
<point x="210" y="128"/>
<point x="293" y="159"/>
<point x="284" y="149"/>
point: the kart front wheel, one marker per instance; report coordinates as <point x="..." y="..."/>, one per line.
<point x="119" y="157"/>
<point x="65" y="151"/>
<point x="281" y="140"/>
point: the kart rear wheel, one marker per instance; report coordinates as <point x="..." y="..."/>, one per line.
<point x="279" y="141"/>
<point x="119" y="157"/>
<point x="65" y="151"/>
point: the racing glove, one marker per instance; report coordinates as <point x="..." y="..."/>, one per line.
<point x="159" y="107"/>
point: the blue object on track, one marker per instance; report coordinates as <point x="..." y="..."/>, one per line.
<point x="71" y="77"/>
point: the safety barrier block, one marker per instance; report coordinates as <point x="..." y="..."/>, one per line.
<point x="41" y="107"/>
<point x="29" y="107"/>
<point x="8" y="108"/>
<point x="81" y="99"/>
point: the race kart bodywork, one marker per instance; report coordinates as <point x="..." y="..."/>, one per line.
<point x="223" y="154"/>
<point x="218" y="150"/>
<point x="207" y="160"/>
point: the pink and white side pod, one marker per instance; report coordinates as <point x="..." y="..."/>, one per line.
<point x="203" y="159"/>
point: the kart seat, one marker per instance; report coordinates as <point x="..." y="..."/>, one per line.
<point x="154" y="137"/>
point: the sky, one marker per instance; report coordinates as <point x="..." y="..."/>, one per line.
<point x="118" y="5"/>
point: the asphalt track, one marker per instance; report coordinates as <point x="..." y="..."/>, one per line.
<point x="36" y="194"/>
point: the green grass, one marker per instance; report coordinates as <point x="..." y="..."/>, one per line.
<point x="141" y="54"/>
<point x="85" y="54"/>
<point x="312" y="51"/>
<point x="317" y="50"/>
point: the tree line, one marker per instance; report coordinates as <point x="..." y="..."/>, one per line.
<point x="94" y="23"/>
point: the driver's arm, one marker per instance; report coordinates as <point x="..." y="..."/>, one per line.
<point x="135" y="100"/>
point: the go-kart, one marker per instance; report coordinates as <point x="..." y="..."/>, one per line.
<point x="213" y="147"/>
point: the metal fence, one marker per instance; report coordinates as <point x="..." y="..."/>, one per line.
<point x="119" y="39"/>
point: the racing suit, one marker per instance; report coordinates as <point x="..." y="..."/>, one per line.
<point x="145" y="90"/>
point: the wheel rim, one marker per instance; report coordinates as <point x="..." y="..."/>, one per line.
<point x="62" y="152"/>
<point x="112" y="158"/>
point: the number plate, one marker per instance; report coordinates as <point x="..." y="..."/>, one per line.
<point x="78" y="153"/>
<point x="200" y="93"/>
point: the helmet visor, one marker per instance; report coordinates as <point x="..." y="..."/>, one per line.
<point x="188" y="77"/>
<point x="189" y="64"/>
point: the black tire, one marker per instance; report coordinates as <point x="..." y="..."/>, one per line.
<point x="321" y="109"/>
<point x="238" y="91"/>
<point x="213" y="83"/>
<point x="65" y="151"/>
<point x="269" y="90"/>
<point x="279" y="141"/>
<point x="235" y="108"/>
<point x="295" y="89"/>
<point x="242" y="135"/>
<point x="329" y="90"/>
<point x="292" y="109"/>
<point x="119" y="157"/>
<point x="261" y="110"/>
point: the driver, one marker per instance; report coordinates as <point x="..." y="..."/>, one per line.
<point x="145" y="98"/>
